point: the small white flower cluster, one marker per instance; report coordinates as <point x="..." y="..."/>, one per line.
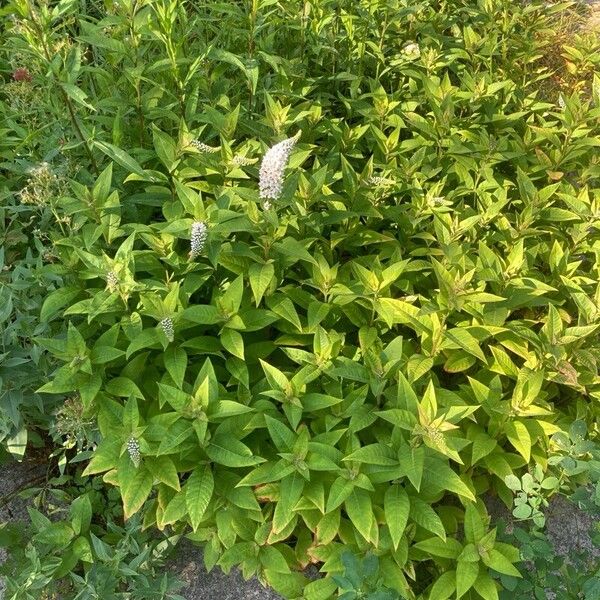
<point x="133" y="449"/>
<point x="271" y="170"/>
<point x="42" y="185"/>
<point x="198" y="237"/>
<point x="412" y="50"/>
<point x="112" y="281"/>
<point x="434" y="201"/>
<point x="167" y="326"/>
<point x="561" y="102"/>
<point x="377" y="181"/>
<point x="202" y="147"/>
<point x="242" y="161"/>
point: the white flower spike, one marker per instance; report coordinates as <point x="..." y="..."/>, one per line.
<point x="202" y="147"/>
<point x="198" y="237"/>
<point x="272" y="167"/>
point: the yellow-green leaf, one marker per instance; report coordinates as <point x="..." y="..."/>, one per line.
<point x="198" y="492"/>
<point x="518" y="436"/>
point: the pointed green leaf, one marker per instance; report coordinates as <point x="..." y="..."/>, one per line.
<point x="198" y="492"/>
<point x="290" y="491"/>
<point x="260" y="279"/>
<point x="163" y="469"/>
<point x="466" y="575"/>
<point x="424" y="516"/>
<point x="518" y="436"/>
<point x="397" y="507"/>
<point x="360" y="511"/>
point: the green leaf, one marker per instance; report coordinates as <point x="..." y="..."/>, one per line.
<point x="474" y="524"/>
<point x="101" y="189"/>
<point x="466" y="575"/>
<point x="57" y="300"/>
<point x="522" y="511"/>
<point x="450" y="548"/>
<point x="277" y="380"/>
<point x="135" y="484"/>
<point x="444" y="587"/>
<point x="226" y="450"/>
<point x="512" y="482"/>
<point x="81" y="514"/>
<point x="440" y="475"/>
<point x="424" y="516"/>
<point x="260" y="278"/>
<point x="340" y="490"/>
<point x="121" y="157"/>
<point x="283" y="437"/>
<point x="485" y="586"/>
<point x="396" y="507"/>
<point x="483" y="444"/>
<point x="465" y="340"/>
<point x="292" y="248"/>
<point x="290" y="491"/>
<point x="57" y="535"/>
<point x="497" y="561"/>
<point x="105" y="457"/>
<point x="82" y="550"/>
<point x="374" y="454"/>
<point x="360" y="511"/>
<point x="320" y="589"/>
<point x="163" y="469"/>
<point x="412" y="463"/>
<point x="123" y="387"/>
<point x="165" y="147"/>
<point x="198" y="492"/>
<point x="233" y="342"/>
<point x="284" y="308"/>
<point x="518" y="436"/>
<point x="202" y="314"/>
<point x="77" y="94"/>
<point x="176" y="364"/>
<point x="232" y="298"/>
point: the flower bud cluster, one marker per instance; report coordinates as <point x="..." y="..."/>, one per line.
<point x="133" y="449"/>
<point x="167" y="326"/>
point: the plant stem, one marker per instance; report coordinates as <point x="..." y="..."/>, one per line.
<point x="78" y="131"/>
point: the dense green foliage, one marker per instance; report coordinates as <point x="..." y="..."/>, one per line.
<point x="351" y="364"/>
<point x="123" y="563"/>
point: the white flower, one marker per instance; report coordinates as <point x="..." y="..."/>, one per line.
<point x="271" y="169"/>
<point x="561" y="102"/>
<point x="133" y="449"/>
<point x="198" y="237"/>
<point x="202" y="147"/>
<point x="167" y="326"/>
<point x="112" y="281"/>
<point x="377" y="181"/>
<point x="242" y="161"/>
<point x="412" y="50"/>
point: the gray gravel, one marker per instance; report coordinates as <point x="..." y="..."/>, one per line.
<point x="215" y="585"/>
<point x="12" y="508"/>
